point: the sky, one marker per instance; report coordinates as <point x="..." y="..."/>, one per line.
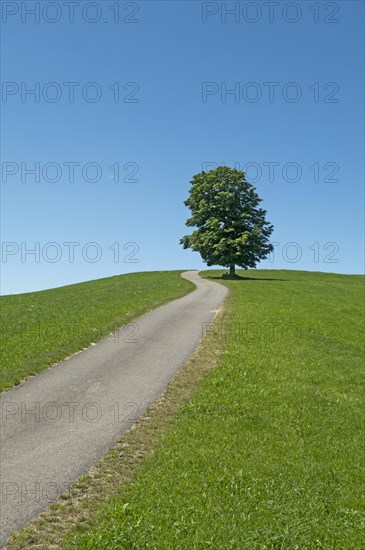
<point x="109" y="108"/>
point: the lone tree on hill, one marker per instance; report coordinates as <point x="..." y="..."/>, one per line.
<point x="231" y="228"/>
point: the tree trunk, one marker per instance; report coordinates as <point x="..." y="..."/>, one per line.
<point x="232" y="271"/>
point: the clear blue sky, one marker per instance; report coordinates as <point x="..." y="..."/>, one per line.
<point x="168" y="122"/>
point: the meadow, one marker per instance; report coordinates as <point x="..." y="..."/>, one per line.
<point x="42" y="328"/>
<point x="269" y="452"/>
<point x="257" y="444"/>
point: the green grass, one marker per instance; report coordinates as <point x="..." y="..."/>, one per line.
<point x="269" y="452"/>
<point x="41" y="328"/>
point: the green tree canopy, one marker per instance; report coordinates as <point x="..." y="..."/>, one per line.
<point x="231" y="227"/>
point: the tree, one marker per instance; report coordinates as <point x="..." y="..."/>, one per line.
<point x="231" y="228"/>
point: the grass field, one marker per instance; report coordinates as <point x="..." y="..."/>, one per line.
<point x="41" y="328"/>
<point x="269" y="452"/>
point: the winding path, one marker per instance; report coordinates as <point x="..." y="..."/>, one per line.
<point x="56" y="425"/>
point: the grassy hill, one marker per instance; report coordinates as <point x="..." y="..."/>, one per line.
<point x="269" y="452"/>
<point x="41" y="328"/>
<point x="266" y="451"/>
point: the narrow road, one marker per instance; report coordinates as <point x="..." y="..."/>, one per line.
<point x="56" y="425"/>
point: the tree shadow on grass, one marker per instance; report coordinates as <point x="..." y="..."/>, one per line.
<point x="239" y="278"/>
